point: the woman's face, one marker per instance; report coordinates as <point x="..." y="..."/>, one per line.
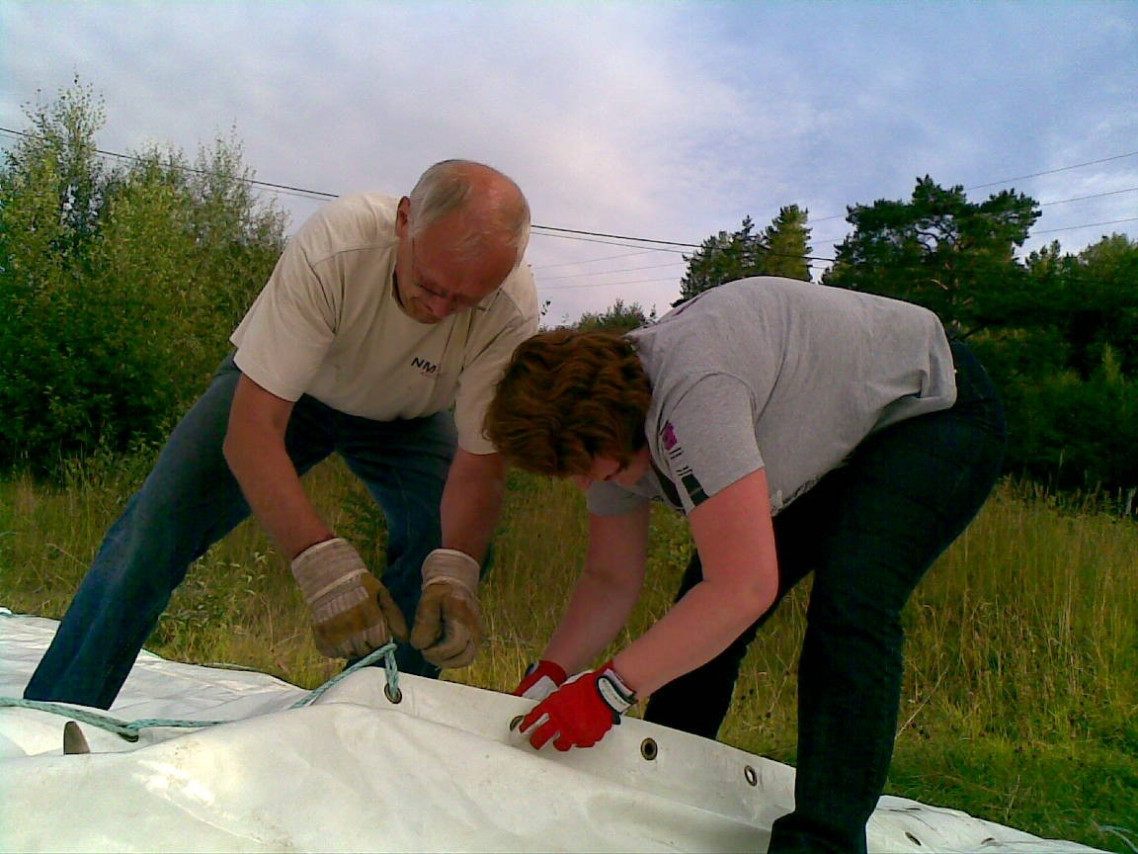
<point x="606" y="470"/>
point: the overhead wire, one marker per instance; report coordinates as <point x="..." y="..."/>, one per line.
<point x="1035" y="175"/>
<point x="644" y="245"/>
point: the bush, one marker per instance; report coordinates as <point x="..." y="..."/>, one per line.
<point x="1075" y="433"/>
<point x="119" y="288"/>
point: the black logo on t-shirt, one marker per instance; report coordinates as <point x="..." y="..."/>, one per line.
<point x="683" y="471"/>
<point x="427" y="369"/>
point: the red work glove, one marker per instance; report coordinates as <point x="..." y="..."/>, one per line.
<point x="581" y="711"/>
<point x="541" y="680"/>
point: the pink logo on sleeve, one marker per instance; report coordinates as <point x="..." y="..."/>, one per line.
<point x="668" y="434"/>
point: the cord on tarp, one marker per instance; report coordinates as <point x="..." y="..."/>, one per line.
<point x="130" y="730"/>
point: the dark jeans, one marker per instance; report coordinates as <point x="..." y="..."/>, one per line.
<point x="868" y="531"/>
<point x="191" y="500"/>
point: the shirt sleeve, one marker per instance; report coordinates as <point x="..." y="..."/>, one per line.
<point x="282" y="341"/>
<point x="608" y="499"/>
<point x="706" y="439"/>
<point x="485" y="366"/>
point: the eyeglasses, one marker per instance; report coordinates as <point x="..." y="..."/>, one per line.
<point x="460" y="302"/>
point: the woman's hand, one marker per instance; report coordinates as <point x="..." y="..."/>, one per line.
<point x="580" y="712"/>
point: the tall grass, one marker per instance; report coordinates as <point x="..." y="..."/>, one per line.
<point x="1020" y="702"/>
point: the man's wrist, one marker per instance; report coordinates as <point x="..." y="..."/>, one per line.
<point x="449" y="566"/>
<point x="312" y="542"/>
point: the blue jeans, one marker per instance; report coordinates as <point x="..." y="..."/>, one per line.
<point x="868" y="531"/>
<point x="191" y="500"/>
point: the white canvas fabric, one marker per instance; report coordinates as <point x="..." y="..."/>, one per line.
<point x="353" y="771"/>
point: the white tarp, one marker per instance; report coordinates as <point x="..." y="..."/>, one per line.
<point x="353" y="771"/>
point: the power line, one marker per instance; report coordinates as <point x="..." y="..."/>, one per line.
<point x="1091" y="196"/>
<point x="1042" y="205"/>
<point x="646" y="244"/>
<point x="581" y="239"/>
<point x="1036" y="175"/>
<point x="653" y="241"/>
<point x="544" y="288"/>
<point x="1054" y="171"/>
<point x="593" y="260"/>
<point x="1088" y="225"/>
<point x="282" y="188"/>
<point x="621" y="270"/>
<point x="545" y="230"/>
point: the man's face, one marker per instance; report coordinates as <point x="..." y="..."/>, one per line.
<point x="434" y="280"/>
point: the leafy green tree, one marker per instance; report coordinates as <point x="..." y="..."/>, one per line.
<point x="787" y="245"/>
<point x="617" y="318"/>
<point x="723" y="257"/>
<point x="781" y="249"/>
<point x="939" y="250"/>
<point x="1076" y="433"/>
<point x="119" y="287"/>
<point x="1101" y="311"/>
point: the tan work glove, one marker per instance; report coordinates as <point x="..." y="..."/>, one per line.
<point x="448" y="621"/>
<point x="352" y="613"/>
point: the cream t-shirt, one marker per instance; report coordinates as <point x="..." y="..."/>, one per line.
<point x="328" y="324"/>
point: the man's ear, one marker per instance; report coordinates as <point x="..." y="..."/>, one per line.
<point x="403" y="218"/>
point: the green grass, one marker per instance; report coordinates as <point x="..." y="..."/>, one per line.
<point x="1021" y="696"/>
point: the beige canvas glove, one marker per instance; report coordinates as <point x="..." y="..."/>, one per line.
<point x="448" y="621"/>
<point x="352" y="613"/>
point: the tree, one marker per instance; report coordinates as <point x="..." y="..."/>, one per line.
<point x="1102" y="311"/>
<point x="723" y="258"/>
<point x="780" y="250"/>
<point x="787" y="245"/>
<point x="618" y="318"/>
<point x="119" y="287"/>
<point x="939" y="250"/>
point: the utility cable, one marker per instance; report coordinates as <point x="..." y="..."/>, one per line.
<point x="653" y="243"/>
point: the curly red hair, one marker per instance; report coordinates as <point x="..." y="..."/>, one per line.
<point x="567" y="397"/>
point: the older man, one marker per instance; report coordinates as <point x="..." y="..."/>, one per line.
<point x="381" y="315"/>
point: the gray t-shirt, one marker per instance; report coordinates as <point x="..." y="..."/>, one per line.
<point x="781" y="374"/>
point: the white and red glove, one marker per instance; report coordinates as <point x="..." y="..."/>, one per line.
<point x="541" y="680"/>
<point x="580" y="712"/>
<point x="448" y="621"/>
<point x="352" y="613"/>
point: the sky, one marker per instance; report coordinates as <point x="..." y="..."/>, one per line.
<point x="664" y="121"/>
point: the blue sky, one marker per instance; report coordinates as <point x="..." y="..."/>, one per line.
<point x="663" y="120"/>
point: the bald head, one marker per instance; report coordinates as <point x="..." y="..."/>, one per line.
<point x="489" y="207"/>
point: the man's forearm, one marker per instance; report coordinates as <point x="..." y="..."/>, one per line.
<point x="472" y="502"/>
<point x="278" y="500"/>
<point x="255" y="451"/>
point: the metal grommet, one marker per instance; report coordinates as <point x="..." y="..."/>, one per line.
<point x="750" y="775"/>
<point x="516" y="722"/>
<point x="392" y="694"/>
<point x="649" y="749"/>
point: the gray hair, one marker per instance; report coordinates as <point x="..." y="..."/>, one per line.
<point x="451" y="186"/>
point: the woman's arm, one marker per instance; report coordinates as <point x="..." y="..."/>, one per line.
<point x="735" y="538"/>
<point x="607" y="591"/>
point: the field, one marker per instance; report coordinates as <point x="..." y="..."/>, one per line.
<point x="1021" y="697"/>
